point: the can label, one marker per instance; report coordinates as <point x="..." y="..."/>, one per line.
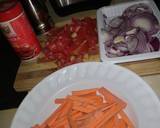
<point x="21" y="36"/>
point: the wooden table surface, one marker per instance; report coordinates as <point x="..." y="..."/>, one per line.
<point x="31" y="73"/>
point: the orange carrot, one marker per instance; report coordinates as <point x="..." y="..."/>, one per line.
<point x="84" y="92"/>
<point x="59" y="100"/>
<point x="36" y="126"/>
<point x="90" y="94"/>
<point x="61" y="121"/>
<point x="121" y="124"/>
<point x="73" y="112"/>
<point x="77" y="115"/>
<point x="107" y="115"/>
<point x="65" y="107"/>
<point x="85" y="116"/>
<point x="106" y="106"/>
<point x="109" y="97"/>
<point x="110" y="123"/>
<point x="126" y="119"/>
<point x="96" y="99"/>
<point x="87" y="109"/>
<point x="72" y="122"/>
<point x="52" y="118"/>
<point x="82" y="109"/>
<point x="81" y="99"/>
<point x="103" y="107"/>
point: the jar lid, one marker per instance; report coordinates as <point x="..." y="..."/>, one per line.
<point x="9" y="9"/>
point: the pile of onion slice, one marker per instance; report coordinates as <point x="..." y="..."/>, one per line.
<point x="134" y="32"/>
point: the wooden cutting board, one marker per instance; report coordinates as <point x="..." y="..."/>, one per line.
<point x="31" y="73"/>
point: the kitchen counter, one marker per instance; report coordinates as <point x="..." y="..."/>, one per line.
<point x="31" y="73"/>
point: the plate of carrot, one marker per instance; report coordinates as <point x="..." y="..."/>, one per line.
<point x="90" y="95"/>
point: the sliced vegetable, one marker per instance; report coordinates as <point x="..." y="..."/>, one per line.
<point x="137" y="9"/>
<point x="84" y="92"/>
<point x="134" y="32"/>
<point x="155" y="44"/>
<point x="126" y="119"/>
<point x="146" y="21"/>
<point x="76" y="112"/>
<point x="69" y="44"/>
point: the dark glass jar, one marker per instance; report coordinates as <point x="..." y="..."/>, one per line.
<point x="38" y="15"/>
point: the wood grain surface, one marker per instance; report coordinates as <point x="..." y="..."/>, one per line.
<point x="31" y="73"/>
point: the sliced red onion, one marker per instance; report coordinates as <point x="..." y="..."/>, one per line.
<point x="114" y="32"/>
<point x="137" y="25"/>
<point x="132" y="31"/>
<point x="137" y="9"/>
<point x="116" y="22"/>
<point x="149" y="47"/>
<point x="118" y="28"/>
<point x="106" y="21"/>
<point x="110" y="55"/>
<point x="121" y="47"/>
<point x="142" y="42"/>
<point x="153" y="33"/>
<point x="108" y="36"/>
<point x="155" y="43"/>
<point x="146" y="21"/>
<point x="132" y="43"/>
<point x="114" y="52"/>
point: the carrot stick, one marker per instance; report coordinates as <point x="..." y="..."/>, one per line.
<point x="51" y="119"/>
<point x="121" y="124"/>
<point x="78" y="103"/>
<point x="87" y="109"/>
<point x="103" y="107"/>
<point x="110" y="123"/>
<point x="72" y="112"/>
<point x="77" y="115"/>
<point x="126" y="119"/>
<point x="90" y="107"/>
<point x="36" y="126"/>
<point x="109" y="97"/>
<point x="90" y="94"/>
<point x="107" y="115"/>
<point x="61" y="122"/>
<point x="72" y="122"/>
<point x="82" y="109"/>
<point x="96" y="99"/>
<point x="81" y="99"/>
<point x="84" y="92"/>
<point x="106" y="106"/>
<point x="59" y="100"/>
<point x="65" y="107"/>
<point x="85" y="116"/>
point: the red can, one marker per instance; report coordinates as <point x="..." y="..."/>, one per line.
<point x="16" y="27"/>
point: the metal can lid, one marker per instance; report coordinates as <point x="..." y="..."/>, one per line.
<point x="9" y="9"/>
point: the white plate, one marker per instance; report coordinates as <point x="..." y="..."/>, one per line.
<point x="116" y="10"/>
<point x="143" y="105"/>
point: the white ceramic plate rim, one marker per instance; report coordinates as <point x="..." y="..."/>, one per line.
<point x="41" y="85"/>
